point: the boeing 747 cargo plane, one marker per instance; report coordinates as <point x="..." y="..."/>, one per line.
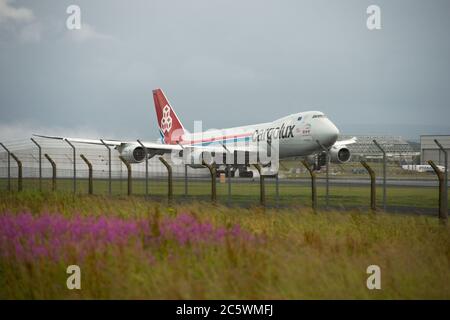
<point x="303" y="134"/>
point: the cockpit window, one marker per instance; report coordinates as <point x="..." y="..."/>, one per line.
<point x="318" y="116"/>
<point x="299" y="119"/>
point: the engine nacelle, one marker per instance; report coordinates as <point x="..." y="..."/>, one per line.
<point x="340" y="155"/>
<point x="311" y="159"/>
<point x="133" y="153"/>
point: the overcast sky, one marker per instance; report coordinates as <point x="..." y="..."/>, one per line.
<point x="224" y="62"/>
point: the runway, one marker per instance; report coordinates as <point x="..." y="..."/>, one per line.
<point x="340" y="181"/>
<point x="364" y="182"/>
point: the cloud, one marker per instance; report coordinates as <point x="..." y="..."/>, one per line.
<point x="24" y="130"/>
<point x="200" y="69"/>
<point x="18" y="24"/>
<point x="31" y="32"/>
<point x="87" y="33"/>
<point x="8" y="12"/>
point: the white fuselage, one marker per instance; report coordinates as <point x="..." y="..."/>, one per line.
<point x="298" y="134"/>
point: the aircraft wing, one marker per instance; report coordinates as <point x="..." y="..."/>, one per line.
<point x="343" y="143"/>
<point x="149" y="145"/>
<point x="111" y="143"/>
<point x="114" y="143"/>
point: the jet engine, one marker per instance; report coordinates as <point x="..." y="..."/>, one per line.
<point x="340" y="155"/>
<point x="133" y="153"/>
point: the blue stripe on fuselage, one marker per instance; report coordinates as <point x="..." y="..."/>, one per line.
<point x="232" y="140"/>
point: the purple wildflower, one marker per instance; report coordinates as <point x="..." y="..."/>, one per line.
<point x="57" y="237"/>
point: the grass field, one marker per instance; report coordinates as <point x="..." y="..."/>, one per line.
<point x="247" y="193"/>
<point x="130" y="248"/>
<point x="343" y="171"/>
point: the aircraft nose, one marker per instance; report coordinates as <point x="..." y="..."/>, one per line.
<point x="334" y="132"/>
<point x="327" y="134"/>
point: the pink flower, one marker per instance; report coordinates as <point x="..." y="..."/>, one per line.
<point x="57" y="237"/>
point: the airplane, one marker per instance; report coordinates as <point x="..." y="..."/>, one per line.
<point x="303" y="134"/>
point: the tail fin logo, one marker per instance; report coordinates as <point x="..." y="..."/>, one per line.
<point x="169" y="125"/>
<point x="166" y="119"/>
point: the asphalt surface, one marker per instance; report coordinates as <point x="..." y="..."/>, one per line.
<point x="334" y="181"/>
<point x="364" y="182"/>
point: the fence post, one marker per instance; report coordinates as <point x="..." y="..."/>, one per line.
<point x="146" y="168"/>
<point x="384" y="172"/>
<point x="109" y="164"/>
<point x="445" y="175"/>
<point x="313" y="184"/>
<point x="228" y="170"/>
<point x="129" y="174"/>
<point x="53" y="171"/>
<point x="19" y="171"/>
<point x="212" y="172"/>
<point x="9" y="165"/>
<point x="74" y="166"/>
<point x="229" y="184"/>
<point x="443" y="215"/>
<point x="327" y="187"/>
<point x="91" y="187"/>
<point x="169" y="178"/>
<point x="186" y="180"/>
<point x="277" y="190"/>
<point x="373" y="195"/>
<point x="262" y="189"/>
<point x="40" y="163"/>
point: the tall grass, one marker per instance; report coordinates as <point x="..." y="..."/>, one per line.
<point x="131" y="248"/>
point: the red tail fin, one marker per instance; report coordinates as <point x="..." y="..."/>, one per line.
<point x="170" y="126"/>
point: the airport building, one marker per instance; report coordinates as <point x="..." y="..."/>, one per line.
<point x="429" y="150"/>
<point x="396" y="147"/>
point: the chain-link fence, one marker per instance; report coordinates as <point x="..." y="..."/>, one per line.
<point x="347" y="185"/>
